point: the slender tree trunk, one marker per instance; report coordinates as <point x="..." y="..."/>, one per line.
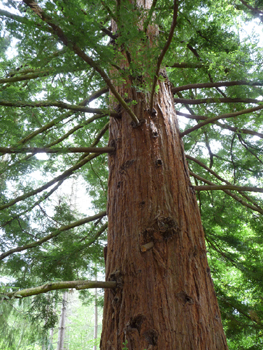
<point x="62" y="323"/>
<point x="95" y="335"/>
<point x="156" y="248"/>
<point x="50" y="342"/>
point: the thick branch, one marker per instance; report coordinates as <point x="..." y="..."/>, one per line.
<point x="222" y="116"/>
<point x="6" y="150"/>
<point x="166" y="46"/>
<point x="211" y="85"/>
<point x="81" y="284"/>
<point x="59" y="32"/>
<point x="215" y="100"/>
<point x="52" y="235"/>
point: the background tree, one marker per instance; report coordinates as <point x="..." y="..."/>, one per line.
<point x="56" y="58"/>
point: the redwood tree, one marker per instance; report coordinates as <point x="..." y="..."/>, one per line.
<point x="156" y="59"/>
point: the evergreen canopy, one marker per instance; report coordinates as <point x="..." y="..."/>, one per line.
<point x="58" y="62"/>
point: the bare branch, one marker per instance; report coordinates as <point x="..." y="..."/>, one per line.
<point x="234" y="196"/>
<point x="95" y="141"/>
<point x="6" y="150"/>
<point x="60" y="104"/>
<point x="45" y="196"/>
<point x="222" y="116"/>
<point x="166" y="46"/>
<point x="52" y="235"/>
<point x="92" y="240"/>
<point x="221" y="179"/>
<point x="215" y="100"/>
<point x="90" y="98"/>
<point x="223" y="126"/>
<point x="62" y="176"/>
<point x="192" y="116"/>
<point x="187" y="65"/>
<point x="81" y="284"/>
<point x="211" y="85"/>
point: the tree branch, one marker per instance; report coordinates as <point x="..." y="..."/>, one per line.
<point x="211" y="85"/>
<point x="253" y="9"/>
<point x="92" y="240"/>
<point x="52" y="235"/>
<point x="35" y="75"/>
<point x="234" y="196"/>
<point x="24" y="20"/>
<point x="109" y="10"/>
<point x="228" y="187"/>
<point x="78" y="285"/>
<point x="187" y="65"/>
<point x="62" y="176"/>
<point x="220" y="178"/>
<point x="90" y="98"/>
<point x="223" y="126"/>
<point x="60" y="104"/>
<point x="148" y="19"/>
<point x="166" y="46"/>
<point x="45" y="196"/>
<point x="59" y="32"/>
<point x="6" y="150"/>
<point x="215" y="100"/>
<point x="222" y="116"/>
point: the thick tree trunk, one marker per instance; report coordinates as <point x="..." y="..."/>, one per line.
<point x="156" y="248"/>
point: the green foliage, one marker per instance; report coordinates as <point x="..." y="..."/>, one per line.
<point x="214" y="41"/>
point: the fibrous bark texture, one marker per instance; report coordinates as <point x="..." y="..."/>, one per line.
<point x="156" y="253"/>
<point x="156" y="250"/>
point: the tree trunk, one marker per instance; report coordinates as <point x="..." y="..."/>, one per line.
<point x="62" y="323"/>
<point x="95" y="333"/>
<point x="156" y="248"/>
<point x="50" y="340"/>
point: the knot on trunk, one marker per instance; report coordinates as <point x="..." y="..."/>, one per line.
<point x="117" y="277"/>
<point x="163" y="228"/>
<point x="151" y="336"/>
<point x="185" y="298"/>
<point x="135" y="323"/>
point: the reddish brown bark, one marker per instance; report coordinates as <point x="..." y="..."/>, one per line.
<point x="156" y="249"/>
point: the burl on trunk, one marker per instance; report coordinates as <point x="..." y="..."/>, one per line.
<point x="156" y="250"/>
